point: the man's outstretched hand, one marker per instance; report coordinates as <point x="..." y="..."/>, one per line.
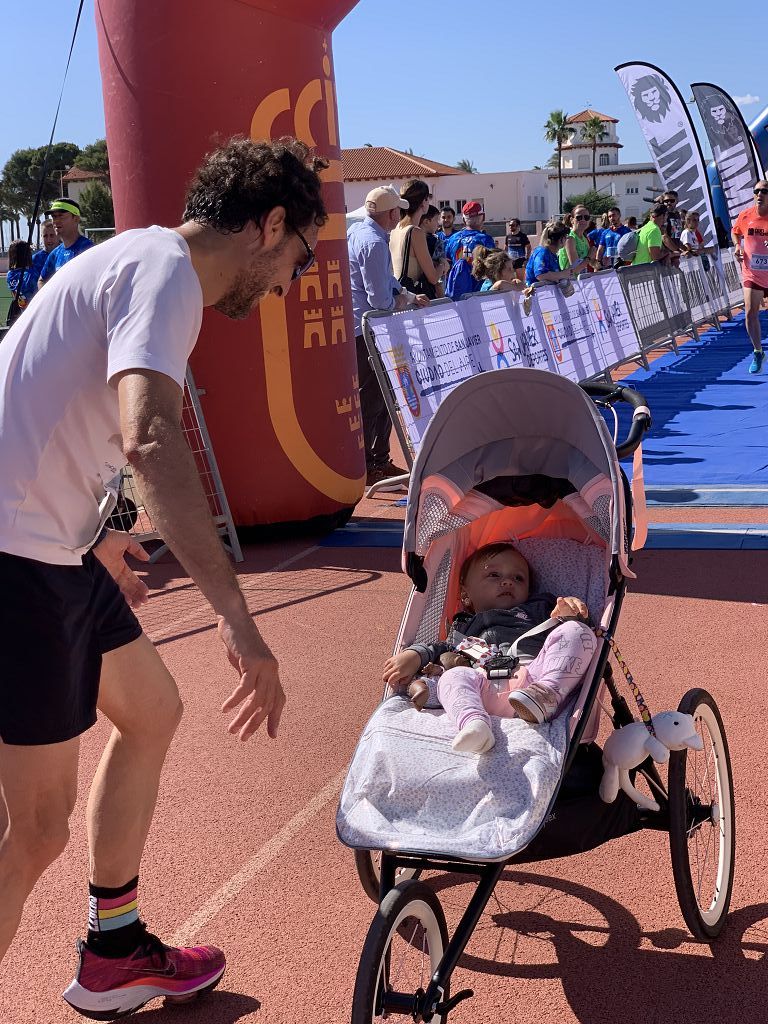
<point x="259" y="690"/>
<point x="111" y="553"/>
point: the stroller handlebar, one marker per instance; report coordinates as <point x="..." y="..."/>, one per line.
<point x="609" y="395"/>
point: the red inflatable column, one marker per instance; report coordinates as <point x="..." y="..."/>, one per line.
<point x="280" y="397"/>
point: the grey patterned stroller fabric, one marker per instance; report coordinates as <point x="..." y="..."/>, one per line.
<point x="408" y="790"/>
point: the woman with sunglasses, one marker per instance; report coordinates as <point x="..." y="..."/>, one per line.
<point x="578" y="250"/>
<point x="750" y="238"/>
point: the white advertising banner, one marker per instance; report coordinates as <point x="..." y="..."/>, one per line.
<point x="666" y="124"/>
<point x="426" y="353"/>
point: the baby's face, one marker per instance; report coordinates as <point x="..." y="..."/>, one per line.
<point x="501" y="581"/>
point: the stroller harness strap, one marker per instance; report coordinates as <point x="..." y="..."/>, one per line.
<point x="645" y="714"/>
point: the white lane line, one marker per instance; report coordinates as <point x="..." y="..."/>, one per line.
<point x="267" y="853"/>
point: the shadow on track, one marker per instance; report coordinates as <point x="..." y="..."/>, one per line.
<point x="216" y="1008"/>
<point x="609" y="968"/>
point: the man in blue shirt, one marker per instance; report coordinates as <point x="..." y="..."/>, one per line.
<point x="50" y="241"/>
<point x="65" y="214"/>
<point x="609" y="243"/>
<point x="458" y="250"/>
<point x="374" y="286"/>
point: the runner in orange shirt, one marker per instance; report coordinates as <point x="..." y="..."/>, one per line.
<point x="750" y="237"/>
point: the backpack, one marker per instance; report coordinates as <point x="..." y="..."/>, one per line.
<point x="626" y="250"/>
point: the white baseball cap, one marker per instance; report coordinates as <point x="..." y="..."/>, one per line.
<point x="383" y="198"/>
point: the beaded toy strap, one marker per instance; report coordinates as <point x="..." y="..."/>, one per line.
<point x="645" y="714"/>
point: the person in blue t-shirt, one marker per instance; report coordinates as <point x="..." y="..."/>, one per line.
<point x="21" y="276"/>
<point x="459" y="248"/>
<point x="65" y="214"/>
<point x="543" y="266"/>
<point x="470" y="235"/>
<point x="50" y="241"/>
<point x="608" y="249"/>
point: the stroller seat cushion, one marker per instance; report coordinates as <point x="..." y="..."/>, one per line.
<point x="407" y="790"/>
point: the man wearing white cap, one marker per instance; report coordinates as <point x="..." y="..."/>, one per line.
<point x="374" y="286"/>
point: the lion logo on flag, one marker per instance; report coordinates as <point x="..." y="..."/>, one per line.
<point x="651" y="98"/>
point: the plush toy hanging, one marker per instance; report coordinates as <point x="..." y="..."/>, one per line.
<point x="628" y="747"/>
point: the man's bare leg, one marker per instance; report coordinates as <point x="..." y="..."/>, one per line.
<point x="140" y="698"/>
<point x="39" y="786"/>
<point x="753" y="300"/>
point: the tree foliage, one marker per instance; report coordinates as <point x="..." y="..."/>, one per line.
<point x="467" y="166"/>
<point x="557" y="131"/>
<point x="596" y="202"/>
<point x="94" y="157"/>
<point x="593" y="131"/>
<point x="96" y="206"/>
<point x="21" y="174"/>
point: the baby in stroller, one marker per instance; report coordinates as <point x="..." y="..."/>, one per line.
<point x="499" y="609"/>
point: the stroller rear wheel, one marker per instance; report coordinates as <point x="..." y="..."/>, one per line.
<point x="402" y="950"/>
<point x="368" y="865"/>
<point x="702" y="821"/>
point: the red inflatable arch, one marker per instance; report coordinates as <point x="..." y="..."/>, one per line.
<point x="280" y="390"/>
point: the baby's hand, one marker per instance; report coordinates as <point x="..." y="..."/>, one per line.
<point x="568" y="607"/>
<point x="401" y="668"/>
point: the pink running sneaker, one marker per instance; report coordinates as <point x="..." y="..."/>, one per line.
<point x="106" y="988"/>
<point x="535" y="703"/>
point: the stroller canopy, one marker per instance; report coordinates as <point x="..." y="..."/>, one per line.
<point x="520" y="437"/>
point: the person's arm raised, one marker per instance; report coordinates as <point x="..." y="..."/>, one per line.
<point x="166" y="476"/>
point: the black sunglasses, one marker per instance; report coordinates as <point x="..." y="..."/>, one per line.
<point x="310" y="260"/>
<point x="583" y="216"/>
<point x="761" y="191"/>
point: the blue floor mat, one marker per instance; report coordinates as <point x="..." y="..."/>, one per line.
<point x="710" y="422"/>
<point x="676" y="536"/>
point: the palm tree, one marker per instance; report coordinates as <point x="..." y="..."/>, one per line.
<point x="558" y="131"/>
<point x="593" y="131"/>
<point x="467" y="166"/>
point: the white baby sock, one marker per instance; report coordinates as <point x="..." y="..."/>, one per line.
<point x="475" y="738"/>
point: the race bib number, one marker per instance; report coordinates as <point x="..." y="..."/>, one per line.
<point x="758" y="261"/>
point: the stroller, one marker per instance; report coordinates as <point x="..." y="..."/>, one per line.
<point x="520" y="455"/>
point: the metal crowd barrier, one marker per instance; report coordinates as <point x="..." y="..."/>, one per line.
<point x="665" y="303"/>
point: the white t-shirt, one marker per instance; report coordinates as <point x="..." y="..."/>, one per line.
<point x="133" y="302"/>
<point x="689" y="238"/>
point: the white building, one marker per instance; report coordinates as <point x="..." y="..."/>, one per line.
<point x="628" y="183"/>
<point x="503" y="194"/>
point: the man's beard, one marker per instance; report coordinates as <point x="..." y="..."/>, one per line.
<point x="248" y="288"/>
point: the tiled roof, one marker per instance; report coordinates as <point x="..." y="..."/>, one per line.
<point x="373" y="163"/>
<point x="585" y="115"/>
<point x="78" y="174"/>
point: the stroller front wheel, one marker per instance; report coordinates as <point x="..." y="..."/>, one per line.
<point x="404" y="946"/>
<point x="702" y="821"/>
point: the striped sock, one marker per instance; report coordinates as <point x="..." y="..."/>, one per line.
<point x="114" y="928"/>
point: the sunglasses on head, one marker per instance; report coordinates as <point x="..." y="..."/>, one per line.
<point x="310" y="260"/>
<point x="761" y="191"/>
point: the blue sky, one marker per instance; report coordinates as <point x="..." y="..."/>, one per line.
<point x="450" y="79"/>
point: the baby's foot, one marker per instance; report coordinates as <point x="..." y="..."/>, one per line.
<point x="475" y="738"/>
<point x="535" y="703"/>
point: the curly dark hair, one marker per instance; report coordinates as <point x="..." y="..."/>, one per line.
<point x="243" y="180"/>
<point x="19" y="255"/>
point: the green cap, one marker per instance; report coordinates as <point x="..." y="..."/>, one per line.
<point x="67" y="205"/>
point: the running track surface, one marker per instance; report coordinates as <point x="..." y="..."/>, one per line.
<point x="243" y="850"/>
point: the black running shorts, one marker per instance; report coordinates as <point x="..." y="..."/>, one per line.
<point x="56" y="622"/>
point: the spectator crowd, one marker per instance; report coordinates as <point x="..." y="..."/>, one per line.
<point x="399" y="256"/>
